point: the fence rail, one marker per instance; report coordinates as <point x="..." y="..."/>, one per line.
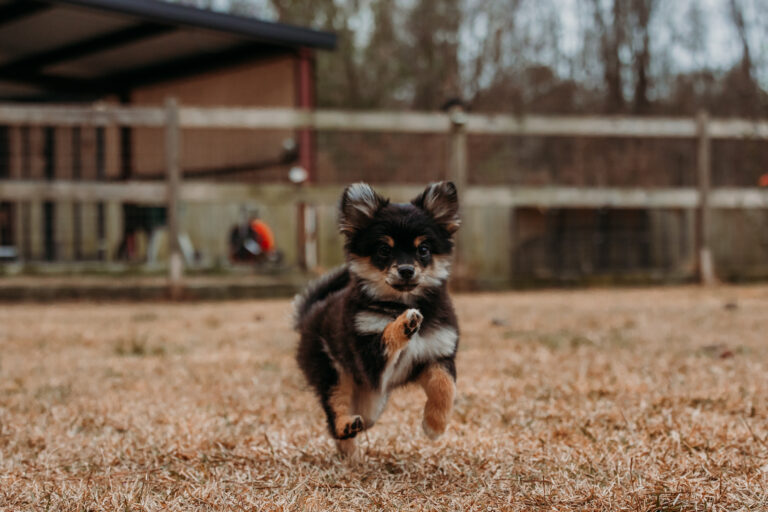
<point x="155" y="193"/>
<point x="409" y="122"/>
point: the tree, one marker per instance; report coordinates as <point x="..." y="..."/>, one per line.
<point x="610" y="25"/>
<point x="641" y="13"/>
<point x="432" y="52"/>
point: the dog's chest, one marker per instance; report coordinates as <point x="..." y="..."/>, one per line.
<point x="429" y="344"/>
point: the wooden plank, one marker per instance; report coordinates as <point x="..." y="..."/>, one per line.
<point x="255" y="118"/>
<point x="401" y="122"/>
<point x="390" y="121"/>
<point x="173" y="183"/>
<point x="575" y="197"/>
<point x="739" y="198"/>
<point x="738" y="129"/>
<point x="148" y="193"/>
<point x="458" y="173"/>
<point x="267" y="194"/>
<point x="437" y="122"/>
<point x="458" y="162"/>
<point x="704" y="178"/>
<point x="433" y="122"/>
<point x="71" y="115"/>
<point x="200" y="191"/>
<point x="114" y="222"/>
<point x="580" y="126"/>
<point x="285" y="118"/>
<point x="155" y="193"/>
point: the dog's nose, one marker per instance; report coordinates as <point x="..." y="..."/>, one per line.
<point x="406" y="271"/>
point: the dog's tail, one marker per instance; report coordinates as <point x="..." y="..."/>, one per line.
<point x="317" y="291"/>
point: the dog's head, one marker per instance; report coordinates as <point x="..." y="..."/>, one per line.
<point x="398" y="251"/>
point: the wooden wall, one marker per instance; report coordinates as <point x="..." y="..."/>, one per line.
<point x="265" y="84"/>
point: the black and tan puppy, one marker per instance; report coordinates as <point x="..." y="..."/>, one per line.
<point x="384" y="319"/>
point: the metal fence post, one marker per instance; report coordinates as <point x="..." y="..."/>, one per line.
<point x="173" y="183"/>
<point x="706" y="265"/>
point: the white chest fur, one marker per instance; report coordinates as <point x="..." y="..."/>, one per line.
<point x="426" y="345"/>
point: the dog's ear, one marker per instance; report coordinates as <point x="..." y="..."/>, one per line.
<point x="359" y="203"/>
<point x="441" y="201"/>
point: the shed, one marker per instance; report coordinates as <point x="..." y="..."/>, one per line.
<point x="139" y="52"/>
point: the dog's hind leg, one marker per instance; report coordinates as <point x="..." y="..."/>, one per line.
<point x="440" y="388"/>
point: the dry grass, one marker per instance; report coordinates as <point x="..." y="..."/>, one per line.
<point x="587" y="400"/>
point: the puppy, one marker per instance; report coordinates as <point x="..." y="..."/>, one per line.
<point x="384" y="319"/>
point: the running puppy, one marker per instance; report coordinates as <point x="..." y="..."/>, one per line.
<point x="384" y="319"/>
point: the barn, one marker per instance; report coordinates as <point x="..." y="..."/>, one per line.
<point x="139" y="52"/>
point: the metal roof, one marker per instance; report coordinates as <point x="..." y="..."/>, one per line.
<point x="83" y="49"/>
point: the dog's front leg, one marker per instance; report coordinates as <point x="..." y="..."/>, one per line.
<point x="398" y="333"/>
<point x="440" y="388"/>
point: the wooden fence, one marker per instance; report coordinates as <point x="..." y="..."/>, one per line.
<point x="456" y="124"/>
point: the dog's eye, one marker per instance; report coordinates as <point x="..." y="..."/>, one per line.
<point x="424" y="250"/>
<point x="384" y="251"/>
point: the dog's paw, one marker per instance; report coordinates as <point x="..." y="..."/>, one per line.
<point x="412" y="323"/>
<point x="351" y="428"/>
<point x="430" y="432"/>
<point x="347" y="448"/>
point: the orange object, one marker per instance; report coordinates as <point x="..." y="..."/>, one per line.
<point x="265" y="237"/>
<point x="763" y="181"/>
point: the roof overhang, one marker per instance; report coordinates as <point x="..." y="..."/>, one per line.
<point x="53" y="50"/>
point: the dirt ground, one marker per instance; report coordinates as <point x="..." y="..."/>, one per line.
<point x="644" y="399"/>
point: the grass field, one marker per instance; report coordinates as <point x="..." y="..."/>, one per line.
<point x="652" y="399"/>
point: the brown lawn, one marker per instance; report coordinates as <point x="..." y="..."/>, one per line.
<point x="652" y="399"/>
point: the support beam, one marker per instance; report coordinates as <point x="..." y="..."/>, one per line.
<point x="170" y="13"/>
<point x="20" y="9"/>
<point x="76" y="154"/>
<point x="49" y="207"/>
<point x="305" y="100"/>
<point x="61" y="86"/>
<point x="104" y="251"/>
<point x="35" y="63"/>
<point x="307" y="232"/>
<point x="122" y="81"/>
<point x="126" y="144"/>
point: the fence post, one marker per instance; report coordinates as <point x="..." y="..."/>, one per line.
<point x="457" y="171"/>
<point x="173" y="182"/>
<point x="706" y="265"/>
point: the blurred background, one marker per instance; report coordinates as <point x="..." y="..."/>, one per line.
<point x="565" y="56"/>
<point x="593" y="141"/>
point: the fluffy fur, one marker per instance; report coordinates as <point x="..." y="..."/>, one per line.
<point x="384" y="319"/>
